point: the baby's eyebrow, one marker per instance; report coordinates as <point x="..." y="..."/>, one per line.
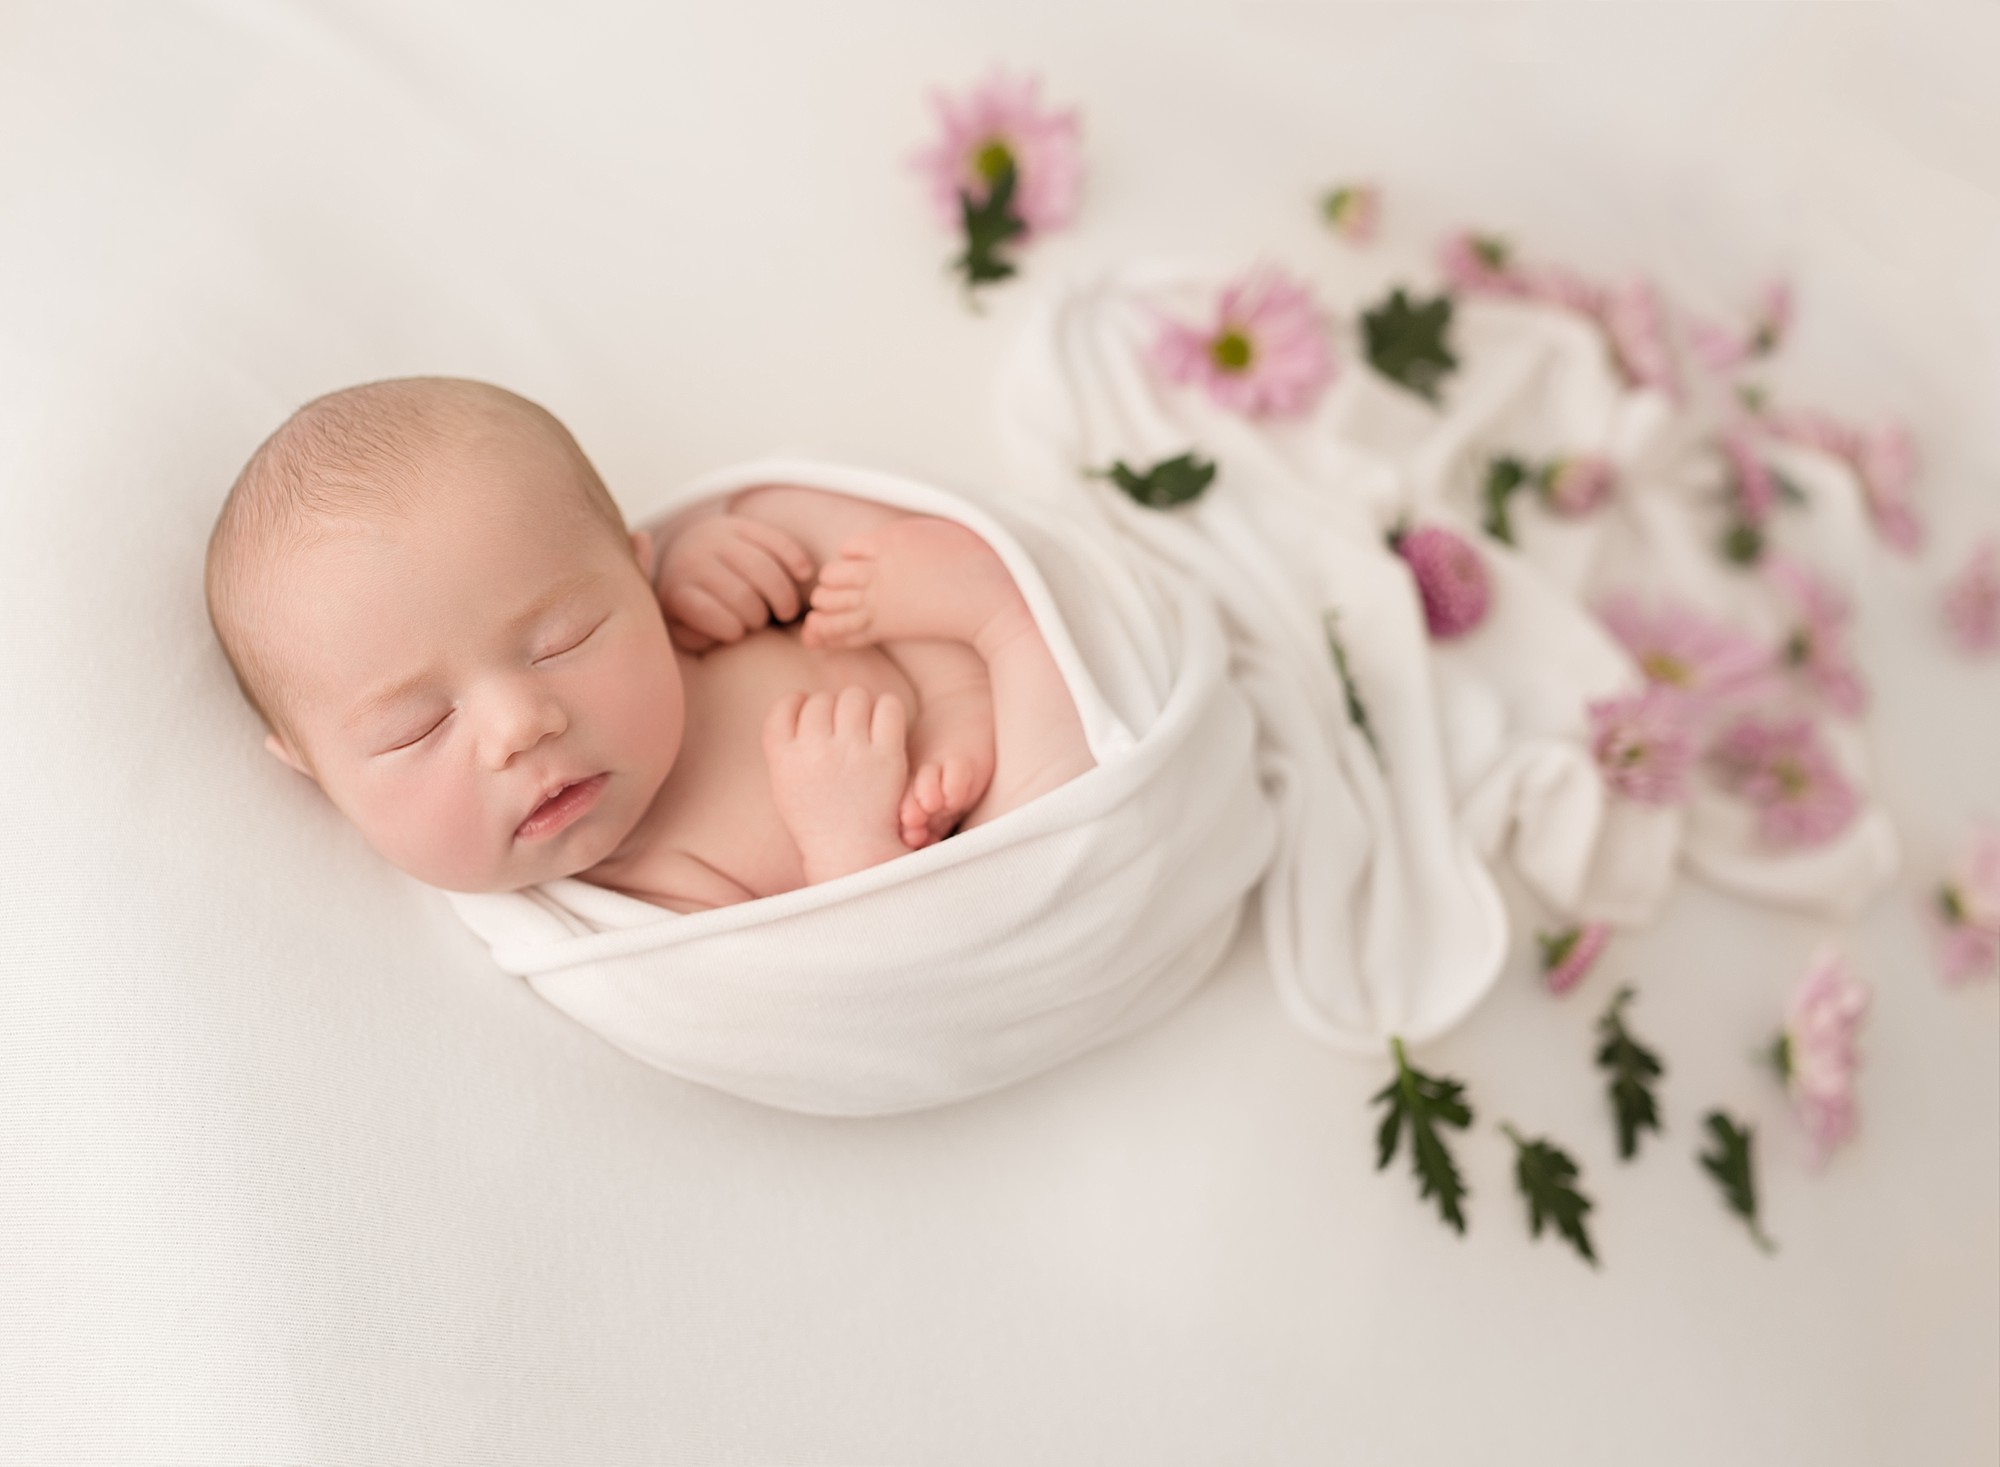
<point x="376" y="701"/>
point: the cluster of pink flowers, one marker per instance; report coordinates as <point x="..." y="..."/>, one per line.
<point x="1644" y="745"/>
<point x="1450" y="577"/>
<point x="1783" y="767"/>
<point x="1630" y="315"/>
<point x="1570" y="954"/>
<point x="1817" y="647"/>
<point x="1001" y="123"/>
<point x="1265" y="352"/>
<point x="1972" y="600"/>
<point x="1883" y="461"/>
<point x="1723" y="348"/>
<point x="1816" y="1051"/>
<point x="1967" y="912"/>
<point x="1682" y="651"/>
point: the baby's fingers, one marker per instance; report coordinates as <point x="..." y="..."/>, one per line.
<point x="888" y="725"/>
<point x="781" y="724"/>
<point x="786" y="551"/>
<point x="765" y="576"/>
<point x="702" y="612"/>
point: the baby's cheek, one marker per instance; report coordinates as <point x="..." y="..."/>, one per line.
<point x="428" y="824"/>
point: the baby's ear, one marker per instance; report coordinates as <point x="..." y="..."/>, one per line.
<point x="285" y="755"/>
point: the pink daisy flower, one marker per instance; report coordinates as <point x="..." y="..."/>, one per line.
<point x="1266" y="355"/>
<point x="1636" y="325"/>
<point x="1479" y="263"/>
<point x="1811" y="429"/>
<point x="1569" y="955"/>
<point x="1721" y="348"/>
<point x="1784" y="769"/>
<point x="1572" y="487"/>
<point x="1644" y="745"/>
<point x="1967" y="912"/>
<point x="1354" y="210"/>
<point x="1450" y="578"/>
<point x="1818" y="646"/>
<point x="1816" y="1051"/>
<point x="1972" y="600"/>
<point x="1684" y="652"/>
<point x="999" y="122"/>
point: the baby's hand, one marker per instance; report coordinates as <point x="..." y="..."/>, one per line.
<point x="837" y="770"/>
<point x="723" y="577"/>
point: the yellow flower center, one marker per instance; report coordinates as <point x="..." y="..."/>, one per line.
<point x="1662" y="668"/>
<point x="1792" y="777"/>
<point x="993" y="158"/>
<point x="1231" y="350"/>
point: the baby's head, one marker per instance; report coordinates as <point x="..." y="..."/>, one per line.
<point x="429" y="597"/>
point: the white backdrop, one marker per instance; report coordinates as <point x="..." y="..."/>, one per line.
<point x="289" y="1174"/>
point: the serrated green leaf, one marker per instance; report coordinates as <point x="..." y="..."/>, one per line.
<point x="1730" y="1165"/>
<point x="1633" y="1069"/>
<point x="989" y="224"/>
<point x="1504" y="475"/>
<point x="1406" y="342"/>
<point x="1547" y="1177"/>
<point x="1167" y="483"/>
<point x="1424" y="1103"/>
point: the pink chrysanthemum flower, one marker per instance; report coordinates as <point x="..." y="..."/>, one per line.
<point x="1569" y="955"/>
<point x="1816" y="1051"/>
<point x="1886" y="463"/>
<point x="1811" y="429"/>
<point x="1265" y="356"/>
<point x="1644" y="744"/>
<point x="1479" y="263"/>
<point x="1722" y="347"/>
<point x="1818" y="646"/>
<point x="1572" y="487"/>
<point x="1450" y="578"/>
<point x="1354" y="210"/>
<point x="1785" y="770"/>
<point x="1636" y="325"/>
<point x="1966" y="911"/>
<point x="998" y="122"/>
<point x="1972" y="600"/>
<point x="1680" y="650"/>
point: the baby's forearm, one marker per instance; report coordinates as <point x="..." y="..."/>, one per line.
<point x="949" y="679"/>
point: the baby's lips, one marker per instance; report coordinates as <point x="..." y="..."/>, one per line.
<point x="563" y="816"/>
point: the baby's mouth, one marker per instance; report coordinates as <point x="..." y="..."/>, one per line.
<point x="567" y="803"/>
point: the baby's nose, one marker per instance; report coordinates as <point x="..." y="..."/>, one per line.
<point x="518" y="718"/>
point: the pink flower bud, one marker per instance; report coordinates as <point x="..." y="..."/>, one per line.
<point x="1450" y="577"/>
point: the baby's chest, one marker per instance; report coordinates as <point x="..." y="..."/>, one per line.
<point x="717" y="806"/>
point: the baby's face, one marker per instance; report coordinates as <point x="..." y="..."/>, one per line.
<point x="456" y="668"/>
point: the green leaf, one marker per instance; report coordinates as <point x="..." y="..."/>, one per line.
<point x="1406" y="342"/>
<point x="1547" y="1177"/>
<point x="1357" y="711"/>
<point x="1633" y="1069"/>
<point x="989" y="225"/>
<point x="1169" y="482"/>
<point x="1423" y="1103"/>
<point x="1729" y="1164"/>
<point x="1504" y="475"/>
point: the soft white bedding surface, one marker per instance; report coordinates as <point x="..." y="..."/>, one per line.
<point x="288" y="1173"/>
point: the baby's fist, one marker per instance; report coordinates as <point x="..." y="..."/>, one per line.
<point x="721" y="578"/>
<point x="838" y="765"/>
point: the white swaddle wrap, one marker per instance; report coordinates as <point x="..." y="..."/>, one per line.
<point x="1229" y="765"/>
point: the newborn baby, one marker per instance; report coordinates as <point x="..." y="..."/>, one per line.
<point x="434" y="604"/>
